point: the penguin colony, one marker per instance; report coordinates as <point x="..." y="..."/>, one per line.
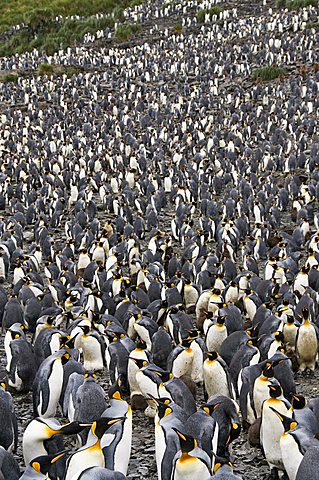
<point x="160" y="228"/>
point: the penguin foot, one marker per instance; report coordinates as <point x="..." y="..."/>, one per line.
<point x="273" y="474"/>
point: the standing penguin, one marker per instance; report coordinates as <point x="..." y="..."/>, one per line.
<point x="217" y="379"/>
<point x="307" y="343"/>
<point x="271" y="427"/>
<point x="48" y="385"/>
<point x="190" y="462"/>
<point x="166" y="439"/>
<point x="216" y="333"/>
<point x="180" y="360"/>
<point x="117" y="453"/>
<point x="93" y="349"/>
<point x="9" y="426"/>
<point x="91" y="454"/>
<point x="294" y="442"/>
<point x="21" y="362"/>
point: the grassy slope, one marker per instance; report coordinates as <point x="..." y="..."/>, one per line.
<point x="12" y="12"/>
<point x="44" y="34"/>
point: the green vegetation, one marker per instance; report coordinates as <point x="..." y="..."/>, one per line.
<point x="9" y="77"/>
<point x="125" y="32"/>
<point x="296" y="4"/>
<point x="178" y="28"/>
<point x="45" y="69"/>
<point x="42" y="30"/>
<point x="312" y="24"/>
<point x="51" y="36"/>
<point x="201" y="14"/>
<point x="265" y="74"/>
<point x="14" y="12"/>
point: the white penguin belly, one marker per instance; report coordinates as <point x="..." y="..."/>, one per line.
<point x="17" y="383"/>
<point x="197" y="364"/>
<point x="55" y="386"/>
<point x="183" y="363"/>
<point x="146" y="385"/>
<point x="92" y="357"/>
<point x="271" y="431"/>
<point x="191" y="469"/>
<point x="307" y="347"/>
<point x="83" y="459"/>
<point x="160" y="446"/>
<point x="215" y="379"/>
<point x="261" y="393"/>
<point x="215" y="337"/>
<point x="291" y="455"/>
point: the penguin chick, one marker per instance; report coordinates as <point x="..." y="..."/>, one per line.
<point x="307" y="343"/>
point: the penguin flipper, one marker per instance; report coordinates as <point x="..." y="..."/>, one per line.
<point x="172" y="447"/>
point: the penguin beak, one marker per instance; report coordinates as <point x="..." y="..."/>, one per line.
<point x="55" y="459"/>
<point x="152" y="399"/>
<point x="73" y="428"/>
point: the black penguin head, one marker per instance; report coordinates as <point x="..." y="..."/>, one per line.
<point x="139" y="362"/>
<point x="140" y="343"/>
<point x="298" y="402"/>
<point x="192" y="333"/>
<point x="186" y="342"/>
<point x="43" y="463"/>
<point x="115" y="391"/>
<point x="187" y="442"/>
<point x="65" y="358"/>
<point x="268" y="370"/>
<point x="212" y="356"/>
<point x="305" y="313"/>
<point x="90" y="374"/>
<point x="290" y="319"/>
<point x="235" y="429"/>
<point x="163" y="410"/>
<point x="165" y="376"/>
<point x="73" y="428"/>
<point x="220" y="320"/>
<point x="279" y="336"/>
<point x="288" y="424"/>
<point x="86" y="329"/>
<point x="253" y="341"/>
<point x="50" y="321"/>
<point x="275" y="391"/>
<point x="220" y="462"/>
<point x="100" y="426"/>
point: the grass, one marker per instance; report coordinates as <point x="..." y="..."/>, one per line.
<point x="178" y="28"/>
<point x="51" y="37"/>
<point x="124" y="33"/>
<point x="42" y="30"/>
<point x="266" y="74"/>
<point x="9" y="78"/>
<point x="45" y="69"/>
<point x="14" y="12"/>
<point x="201" y="14"/>
<point x="296" y="4"/>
